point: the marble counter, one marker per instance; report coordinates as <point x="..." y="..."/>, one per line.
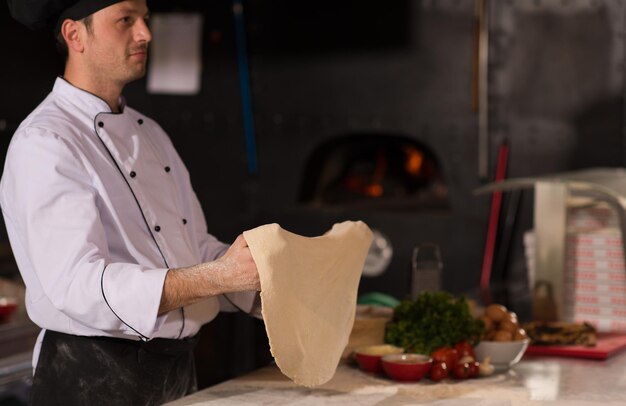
<point x="534" y="381"/>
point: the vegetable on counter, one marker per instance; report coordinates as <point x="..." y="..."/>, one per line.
<point x="486" y="368"/>
<point x="438" y="371"/>
<point x="432" y="321"/>
<point x="501" y="324"/>
<point x="447" y="355"/>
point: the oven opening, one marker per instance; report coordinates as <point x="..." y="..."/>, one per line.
<point x="374" y="171"/>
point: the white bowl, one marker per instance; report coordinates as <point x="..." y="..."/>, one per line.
<point x="503" y="354"/>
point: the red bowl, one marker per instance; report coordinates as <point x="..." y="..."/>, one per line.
<point x="369" y="358"/>
<point x="407" y="367"/>
<point x="369" y="363"/>
<point x="7" y="308"/>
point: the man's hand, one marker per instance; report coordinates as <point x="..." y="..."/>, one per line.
<point x="235" y="271"/>
<point x="236" y="268"/>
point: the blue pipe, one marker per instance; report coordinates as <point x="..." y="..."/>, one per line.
<point x="244" y="84"/>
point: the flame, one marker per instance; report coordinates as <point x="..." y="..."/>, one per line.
<point x="372" y="187"/>
<point x="414" y="160"/>
<point x="373" y="190"/>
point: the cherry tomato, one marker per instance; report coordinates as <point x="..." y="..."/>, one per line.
<point x="465" y="348"/>
<point x="474" y="367"/>
<point x="461" y="370"/>
<point x="448" y="355"/>
<point x="438" y="371"/>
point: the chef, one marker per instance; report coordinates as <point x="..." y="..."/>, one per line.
<point x="107" y="232"/>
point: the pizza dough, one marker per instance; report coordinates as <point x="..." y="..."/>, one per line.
<point x="308" y="295"/>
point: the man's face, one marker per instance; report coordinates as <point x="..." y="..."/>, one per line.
<point x="117" y="47"/>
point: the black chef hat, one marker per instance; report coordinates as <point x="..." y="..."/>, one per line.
<point x="39" y="14"/>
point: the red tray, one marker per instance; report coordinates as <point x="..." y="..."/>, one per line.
<point x="607" y="345"/>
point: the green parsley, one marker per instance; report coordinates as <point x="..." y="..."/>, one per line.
<point x="432" y="321"/>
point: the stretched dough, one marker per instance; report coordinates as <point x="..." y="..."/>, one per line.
<point x="308" y="295"/>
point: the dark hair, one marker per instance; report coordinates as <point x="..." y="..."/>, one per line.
<point x="60" y="41"/>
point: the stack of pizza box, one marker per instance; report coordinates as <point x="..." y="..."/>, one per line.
<point x="594" y="285"/>
<point x="594" y="274"/>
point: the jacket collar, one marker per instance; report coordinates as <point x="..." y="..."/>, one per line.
<point x="82" y="99"/>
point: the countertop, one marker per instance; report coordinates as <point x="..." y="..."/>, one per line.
<point x="534" y="381"/>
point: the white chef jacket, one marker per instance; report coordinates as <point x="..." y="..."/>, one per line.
<point x="98" y="206"/>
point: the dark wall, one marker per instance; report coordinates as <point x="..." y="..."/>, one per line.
<point x="556" y="90"/>
<point x="330" y="68"/>
<point x="405" y="71"/>
<point x="414" y="81"/>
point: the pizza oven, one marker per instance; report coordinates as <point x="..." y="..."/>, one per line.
<point x="373" y="171"/>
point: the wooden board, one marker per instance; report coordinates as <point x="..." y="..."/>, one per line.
<point x="607" y="345"/>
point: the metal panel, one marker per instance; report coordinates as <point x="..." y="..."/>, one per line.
<point x="556" y="82"/>
<point x="550" y="216"/>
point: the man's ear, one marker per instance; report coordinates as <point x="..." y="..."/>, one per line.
<point x="72" y="33"/>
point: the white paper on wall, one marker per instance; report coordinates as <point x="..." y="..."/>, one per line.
<point x="175" y="54"/>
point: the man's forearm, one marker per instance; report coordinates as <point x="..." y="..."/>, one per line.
<point x="235" y="271"/>
<point x="186" y="286"/>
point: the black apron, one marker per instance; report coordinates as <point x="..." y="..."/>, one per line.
<point x="76" y="370"/>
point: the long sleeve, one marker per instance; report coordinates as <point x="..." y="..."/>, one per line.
<point x="52" y="210"/>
